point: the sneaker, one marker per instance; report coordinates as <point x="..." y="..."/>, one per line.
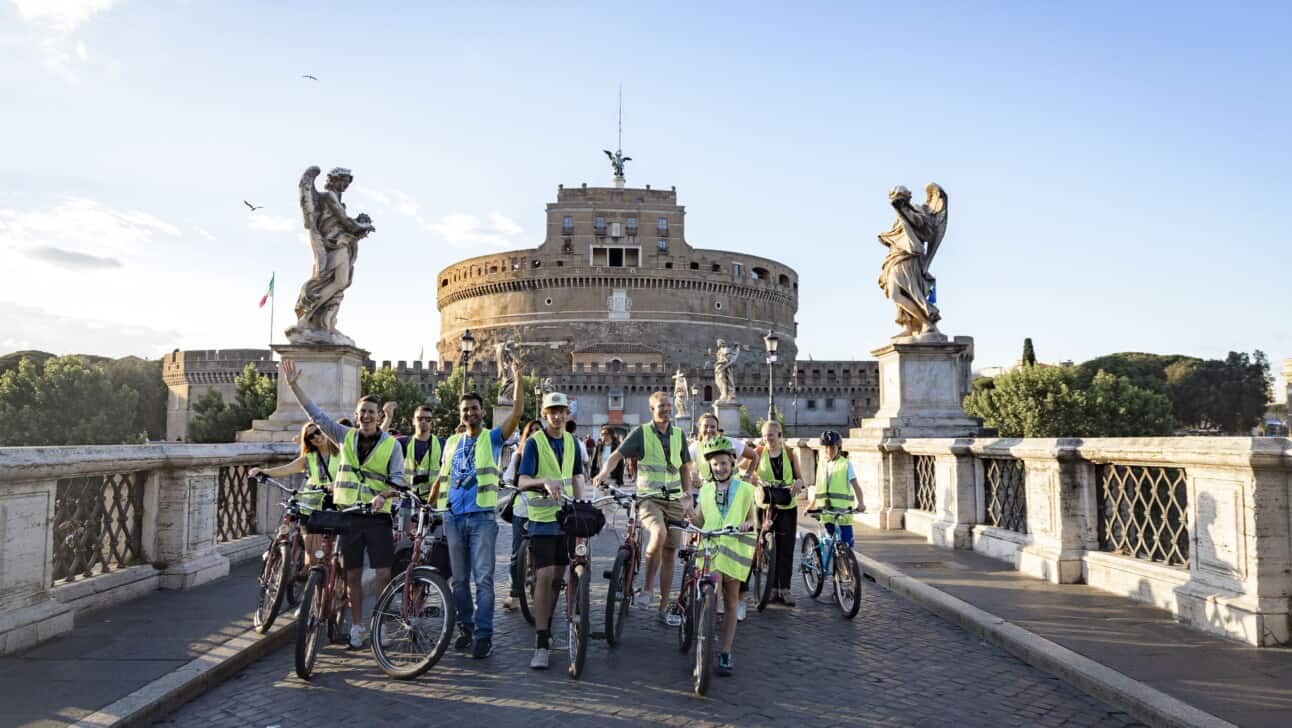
<point x="725" y="664"/>
<point x="509" y="603"/>
<point x="647" y="599"/>
<point x="357" y="636"/>
<point x="786" y="599"/>
<point x="464" y="639"/>
<point x="483" y="648"/>
<point x="740" y="612"/>
<point x="673" y="616"/>
<point x="540" y="660"/>
<point x="722" y="609"/>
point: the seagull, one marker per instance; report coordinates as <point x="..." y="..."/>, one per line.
<point x="252" y="207"/>
<point x="312" y="78"/>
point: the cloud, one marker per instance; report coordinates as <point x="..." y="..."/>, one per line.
<point x="29" y="327"/>
<point x="70" y="259"/>
<point x="271" y="223"/>
<point x="204" y="233"/>
<point x="463" y="230"/>
<point x="82" y="229"/>
<point x="56" y="24"/>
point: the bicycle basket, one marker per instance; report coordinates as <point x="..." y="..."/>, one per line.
<point x="327" y="522"/>
<point x="581" y="520"/>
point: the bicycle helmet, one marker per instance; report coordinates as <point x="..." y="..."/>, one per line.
<point x="719" y="445"/>
<point x="830" y="437"/>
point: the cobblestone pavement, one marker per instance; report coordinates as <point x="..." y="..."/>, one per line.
<point x="895" y="664"/>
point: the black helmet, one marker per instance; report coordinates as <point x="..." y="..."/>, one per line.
<point x="830" y="437"/>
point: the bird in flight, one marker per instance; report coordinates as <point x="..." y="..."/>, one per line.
<point x="312" y="78"/>
<point x="252" y="207"/>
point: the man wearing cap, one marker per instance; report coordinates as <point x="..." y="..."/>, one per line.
<point x="550" y="468"/>
<point x="664" y="469"/>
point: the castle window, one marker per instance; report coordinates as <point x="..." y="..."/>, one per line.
<point x="783" y="280"/>
<point x="669" y="265"/>
<point x="537" y="263"/>
<point x="708" y="393"/>
<point x="567" y="224"/>
<point x="737" y="270"/>
<point x="716" y="268"/>
<point x="760" y="274"/>
<point x="811" y="404"/>
<point x="614" y="256"/>
<point x="662" y="244"/>
<point x="662" y="225"/>
<point x="695" y="265"/>
<point x="829" y="402"/>
<point x="599" y="223"/>
<point x="632" y="226"/>
<point x="444" y="283"/>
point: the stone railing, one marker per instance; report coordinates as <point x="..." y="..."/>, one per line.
<point x="86" y="527"/>
<point x="1198" y="526"/>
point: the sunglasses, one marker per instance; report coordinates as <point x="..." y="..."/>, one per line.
<point x="312" y="433"/>
<point x="424" y="419"/>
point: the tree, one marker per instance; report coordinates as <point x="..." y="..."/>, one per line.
<point x="215" y="421"/>
<point x="1047" y="402"/>
<point x="145" y="377"/>
<point x="1029" y="354"/>
<point x="386" y="385"/>
<point x="65" y="401"/>
<point x="445" y="407"/>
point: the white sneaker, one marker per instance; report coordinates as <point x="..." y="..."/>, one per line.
<point x="647" y="599"/>
<point x="740" y="611"/>
<point x="540" y="659"/>
<point x="357" y="636"/>
<point x="722" y="608"/>
<point x="509" y="603"/>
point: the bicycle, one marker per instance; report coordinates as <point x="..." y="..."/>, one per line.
<point x="831" y="555"/>
<point x="763" y="572"/>
<point x="696" y="600"/>
<point x="284" y="559"/>
<point x="326" y="597"/>
<point x="621" y="594"/>
<point x="420" y="616"/>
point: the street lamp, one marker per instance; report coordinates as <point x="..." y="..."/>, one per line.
<point x="690" y="402"/>
<point x="468" y="343"/>
<point x="771" y="342"/>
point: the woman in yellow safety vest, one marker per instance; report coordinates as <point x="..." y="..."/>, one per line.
<point x="318" y="457"/>
<point x="727" y="501"/>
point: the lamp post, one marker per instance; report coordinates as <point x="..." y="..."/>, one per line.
<point x="468" y="343"/>
<point x="771" y="342"/>
<point x="690" y="402"/>
<point x="794" y="389"/>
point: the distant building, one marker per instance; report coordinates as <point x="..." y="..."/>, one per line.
<point x="189" y="375"/>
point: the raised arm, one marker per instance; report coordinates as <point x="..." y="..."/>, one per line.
<point x="518" y="399"/>
<point x="334" y="431"/>
<point x="292" y="468"/>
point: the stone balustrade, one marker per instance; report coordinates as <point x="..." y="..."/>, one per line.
<point x="86" y="527"/>
<point x="1198" y="526"/>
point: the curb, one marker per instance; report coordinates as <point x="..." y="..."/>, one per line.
<point x="167" y="693"/>
<point x="1141" y="701"/>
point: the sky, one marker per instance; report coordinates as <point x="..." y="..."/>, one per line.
<point x="1116" y="173"/>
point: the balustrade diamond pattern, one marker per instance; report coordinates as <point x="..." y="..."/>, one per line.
<point x="1142" y="512"/>
<point x="1006" y="494"/>
<point x="925" y="483"/>
<point x="98" y="524"/>
<point x="236" y="510"/>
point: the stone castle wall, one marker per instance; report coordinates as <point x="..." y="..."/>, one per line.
<point x="189" y="375"/>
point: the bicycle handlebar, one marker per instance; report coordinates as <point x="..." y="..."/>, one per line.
<point x="834" y="511"/>
<point x="688" y="527"/>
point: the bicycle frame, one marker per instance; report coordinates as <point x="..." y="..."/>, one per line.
<point x="428" y="520"/>
<point x="631" y="538"/>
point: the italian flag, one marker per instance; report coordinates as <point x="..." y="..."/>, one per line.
<point x="268" y="292"/>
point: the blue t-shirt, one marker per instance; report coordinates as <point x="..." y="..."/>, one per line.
<point x="462" y="472"/>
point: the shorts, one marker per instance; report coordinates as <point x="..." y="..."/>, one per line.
<point x="550" y="550"/>
<point x="653" y="514"/>
<point x="371" y="533"/>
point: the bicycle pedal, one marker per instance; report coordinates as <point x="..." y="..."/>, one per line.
<point x="606" y="574"/>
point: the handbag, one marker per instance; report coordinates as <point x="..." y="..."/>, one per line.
<point x="507" y="507"/>
<point x="331" y="522"/>
<point x="581" y="520"/>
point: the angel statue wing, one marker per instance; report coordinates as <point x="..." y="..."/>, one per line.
<point x="935" y="220"/>
<point x="609" y="154"/>
<point x="309" y="212"/>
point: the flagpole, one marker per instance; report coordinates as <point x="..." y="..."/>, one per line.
<point x="271" y="313"/>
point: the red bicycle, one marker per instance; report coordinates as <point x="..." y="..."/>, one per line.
<point x="284" y="559"/>
<point x="697" y="599"/>
<point x="414" y="616"/>
<point x="623" y="574"/>
<point x="326" y="599"/>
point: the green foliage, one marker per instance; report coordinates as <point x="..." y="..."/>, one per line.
<point x="1048" y="402"/>
<point x="145" y="377"/>
<point x="1029" y="354"/>
<point x="65" y="401"/>
<point x="387" y="386"/>
<point x="447" y="392"/>
<point x="749" y="427"/>
<point x="215" y="421"/>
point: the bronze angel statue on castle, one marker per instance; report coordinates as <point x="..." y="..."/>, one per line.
<point x="334" y="238"/>
<point x="912" y="242"/>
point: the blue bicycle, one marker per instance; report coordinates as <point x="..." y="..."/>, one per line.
<point x="830" y="555"/>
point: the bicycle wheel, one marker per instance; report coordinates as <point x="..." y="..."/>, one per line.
<point x="767" y="571"/>
<point x="686" y="604"/>
<point x="618" y="597"/>
<point x="273" y="584"/>
<point x="810" y="565"/>
<point x="847" y="581"/>
<point x="755" y="579"/>
<point x="525" y="567"/>
<point x="296" y="579"/>
<point x="310" y="625"/>
<point x="580" y="621"/>
<point x="706" y="644"/>
<point x="412" y="623"/>
<point x="336" y="626"/>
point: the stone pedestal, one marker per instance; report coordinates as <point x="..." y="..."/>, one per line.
<point x="921" y="385"/>
<point x="728" y="417"/>
<point x="329" y="374"/>
<point x="501" y="412"/>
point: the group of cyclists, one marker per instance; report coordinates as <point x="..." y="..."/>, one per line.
<point x="711" y="482"/>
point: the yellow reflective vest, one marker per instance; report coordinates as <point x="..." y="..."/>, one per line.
<point x="486" y="469"/>
<point x="362" y="482"/>
<point x="768" y="476"/>
<point x="542" y="508"/>
<point x="318" y="478"/>
<point x="429" y="464"/>
<point x="735" y="554"/>
<point x="834" y="492"/>
<point x="658" y="476"/>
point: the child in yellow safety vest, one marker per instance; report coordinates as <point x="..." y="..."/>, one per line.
<point x="727" y="501"/>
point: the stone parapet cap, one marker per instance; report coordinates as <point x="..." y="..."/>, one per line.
<point x="319" y="351"/>
<point x="20" y="464"/>
<point x="934" y="348"/>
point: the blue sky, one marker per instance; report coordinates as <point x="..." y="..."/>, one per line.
<point x="1116" y="175"/>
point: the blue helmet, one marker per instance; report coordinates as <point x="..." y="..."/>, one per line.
<point x="830" y="437"/>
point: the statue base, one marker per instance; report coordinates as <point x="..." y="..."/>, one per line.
<point x="728" y="417"/>
<point x="921" y="387"/>
<point x="501" y="411"/>
<point x="329" y="374"/>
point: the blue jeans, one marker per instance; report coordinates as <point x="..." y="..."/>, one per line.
<point x="471" y="539"/>
<point x="845" y="534"/>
